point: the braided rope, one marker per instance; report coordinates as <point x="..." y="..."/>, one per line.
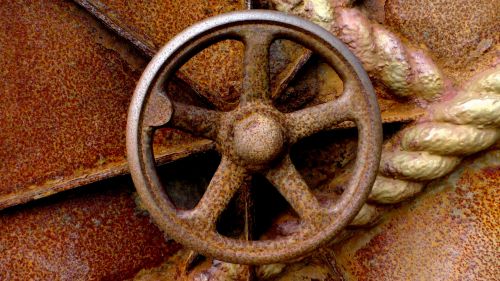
<point x="461" y="126"/>
<point x="433" y="146"/>
<point x="403" y="70"/>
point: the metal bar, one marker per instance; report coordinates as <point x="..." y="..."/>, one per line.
<point x="99" y="10"/>
<point x="99" y="174"/>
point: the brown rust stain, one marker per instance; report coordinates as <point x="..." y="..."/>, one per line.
<point x="449" y="233"/>
<point x="91" y="234"/>
<point x="66" y="83"/>
<point x="463" y="34"/>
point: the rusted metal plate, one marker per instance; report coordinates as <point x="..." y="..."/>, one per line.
<point x="449" y="233"/>
<point x="66" y="82"/>
<point x="95" y="233"/>
<point x="463" y="35"/>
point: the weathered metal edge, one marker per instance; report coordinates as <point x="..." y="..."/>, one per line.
<point x="103" y="14"/>
<point x="51" y="187"/>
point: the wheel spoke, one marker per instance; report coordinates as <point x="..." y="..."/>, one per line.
<point x="196" y="120"/>
<point x="311" y="120"/>
<point x="227" y="180"/>
<point x="256" y="67"/>
<point x="292" y="186"/>
<point x="247" y="204"/>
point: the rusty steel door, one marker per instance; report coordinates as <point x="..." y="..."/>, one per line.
<point x="275" y="140"/>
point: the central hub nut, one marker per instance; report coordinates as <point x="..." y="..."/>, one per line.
<point x="258" y="139"/>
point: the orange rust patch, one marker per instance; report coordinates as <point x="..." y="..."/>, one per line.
<point x="449" y="233"/>
<point x="91" y="234"/>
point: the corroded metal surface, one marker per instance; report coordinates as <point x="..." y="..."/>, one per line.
<point x="450" y="233"/>
<point x="463" y="35"/>
<point x="91" y="234"/>
<point x="78" y="126"/>
<point x="66" y="83"/>
<point x="64" y="94"/>
<point x="255" y="137"/>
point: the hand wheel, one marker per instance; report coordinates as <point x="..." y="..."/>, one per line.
<point x="253" y="138"/>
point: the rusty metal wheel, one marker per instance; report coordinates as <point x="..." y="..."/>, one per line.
<point x="253" y="138"/>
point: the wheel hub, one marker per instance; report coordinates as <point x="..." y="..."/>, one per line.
<point x="258" y="139"/>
